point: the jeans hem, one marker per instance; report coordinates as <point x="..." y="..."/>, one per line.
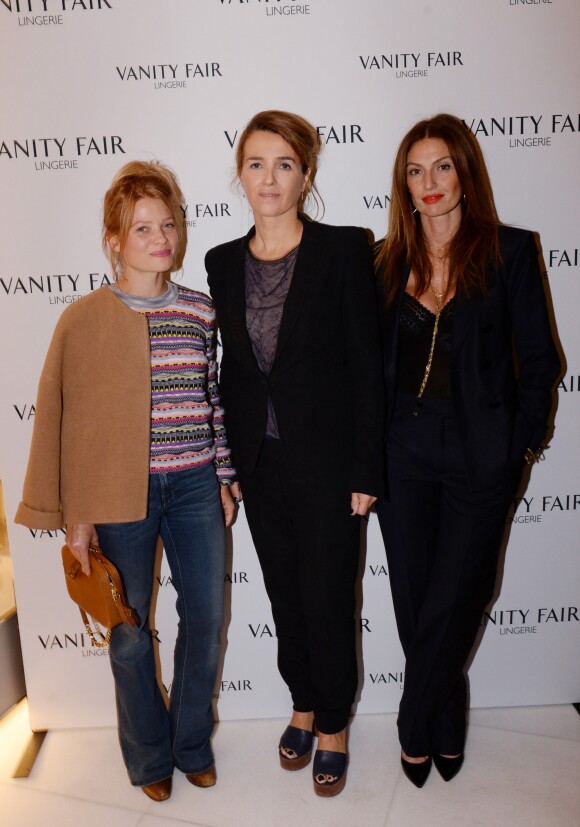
<point x="155" y="780"/>
<point x="196" y="772"/>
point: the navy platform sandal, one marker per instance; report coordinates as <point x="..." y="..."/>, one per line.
<point x="296" y="741"/>
<point x="329" y="772"/>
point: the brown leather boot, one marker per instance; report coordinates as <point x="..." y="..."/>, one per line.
<point x="207" y="778"/>
<point x="160" y="790"/>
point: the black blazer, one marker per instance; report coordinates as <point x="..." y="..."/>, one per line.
<point x="504" y="362"/>
<point x="326" y="381"/>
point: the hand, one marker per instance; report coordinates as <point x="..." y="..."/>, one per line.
<point x="228" y="504"/>
<point x="236" y="490"/>
<point x="78" y="539"/>
<point x="360" y="504"/>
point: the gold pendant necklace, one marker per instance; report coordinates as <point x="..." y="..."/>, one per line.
<point x="438" y="297"/>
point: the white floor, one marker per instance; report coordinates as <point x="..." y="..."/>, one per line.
<point x="522" y="769"/>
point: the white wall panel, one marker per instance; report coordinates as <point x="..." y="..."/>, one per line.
<point x="365" y="71"/>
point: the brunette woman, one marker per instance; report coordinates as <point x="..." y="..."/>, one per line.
<point x="470" y="365"/>
<point x="301" y="372"/>
<point x="129" y="444"/>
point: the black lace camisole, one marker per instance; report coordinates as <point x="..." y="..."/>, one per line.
<point x="416" y="324"/>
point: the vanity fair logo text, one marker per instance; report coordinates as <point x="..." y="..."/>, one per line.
<point x="558" y="258"/>
<point x="170" y="75"/>
<point x="48" y="534"/>
<point x="34" y="13"/>
<point x="345" y="133"/>
<point x="532" y="509"/>
<point x="569" y="383"/>
<point x="261" y="630"/>
<point x="528" y="621"/>
<point x="524" y="131"/>
<point x="412" y="64"/>
<point x="197" y="213"/>
<point x="231" y="578"/>
<point x="530" y="2"/>
<point x="387" y="679"/>
<point x="272" y="8"/>
<point x="233" y="686"/>
<point x="236" y="578"/>
<point x="376" y="202"/>
<point x="25" y="412"/>
<point x="58" y="288"/>
<point x="78" y="642"/>
<point x="58" y="153"/>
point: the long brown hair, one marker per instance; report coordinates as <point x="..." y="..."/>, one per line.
<point x="300" y="135"/>
<point x="474" y="245"/>
<point x="136" y="180"/>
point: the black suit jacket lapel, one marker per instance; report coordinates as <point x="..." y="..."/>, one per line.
<point x="391" y="333"/>
<point x="236" y="304"/>
<point x="311" y="246"/>
<point x="465" y="318"/>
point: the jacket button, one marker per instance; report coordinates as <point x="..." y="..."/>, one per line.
<point x="487" y="327"/>
<point x="486" y="364"/>
<point x="495" y="403"/>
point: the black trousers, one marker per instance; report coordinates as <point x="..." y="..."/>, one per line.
<point x="442" y="542"/>
<point x="308" y="547"/>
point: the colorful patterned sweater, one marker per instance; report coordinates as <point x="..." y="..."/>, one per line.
<point x="187" y="420"/>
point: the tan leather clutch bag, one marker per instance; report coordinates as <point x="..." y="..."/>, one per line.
<point x="99" y="595"/>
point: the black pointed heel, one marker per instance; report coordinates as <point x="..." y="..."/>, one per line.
<point x="448" y="767"/>
<point x="299" y="741"/>
<point x="417" y="773"/>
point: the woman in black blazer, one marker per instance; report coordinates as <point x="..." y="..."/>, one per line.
<point x="470" y="365"/>
<point x="302" y="385"/>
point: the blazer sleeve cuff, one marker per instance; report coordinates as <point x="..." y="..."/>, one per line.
<point x="373" y="485"/>
<point x="32" y="518"/>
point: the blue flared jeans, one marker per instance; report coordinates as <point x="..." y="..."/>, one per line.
<point x="185" y="509"/>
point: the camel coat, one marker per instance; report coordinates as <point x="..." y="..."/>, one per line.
<point x="89" y="458"/>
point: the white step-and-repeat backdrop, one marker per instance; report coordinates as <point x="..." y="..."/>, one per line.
<point x="89" y="84"/>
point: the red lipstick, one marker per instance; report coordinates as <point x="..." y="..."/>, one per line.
<point x="432" y="199"/>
